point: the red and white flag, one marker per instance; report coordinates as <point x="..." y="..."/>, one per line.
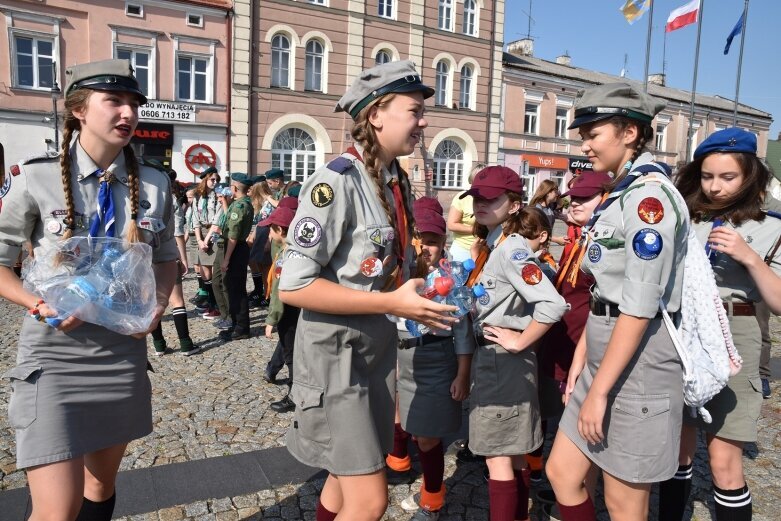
<point x="683" y="16"/>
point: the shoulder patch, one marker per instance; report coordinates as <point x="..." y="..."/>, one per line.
<point x="340" y="165"/>
<point x="37" y="158"/>
<point x="772" y="213"/>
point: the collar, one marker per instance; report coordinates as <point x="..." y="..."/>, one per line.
<point x="390" y="174"/>
<point x="492" y="240"/>
<point x="85" y="167"/>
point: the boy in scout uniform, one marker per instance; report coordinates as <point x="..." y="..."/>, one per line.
<point x="238" y="222"/>
<point x="80" y="391"/>
<point x="725" y="185"/>
<point x="348" y="246"/>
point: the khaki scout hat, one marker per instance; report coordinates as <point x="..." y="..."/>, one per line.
<point x="112" y="75"/>
<point x="399" y="76"/>
<point x="615" y="99"/>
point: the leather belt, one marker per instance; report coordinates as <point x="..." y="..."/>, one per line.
<point x="418" y="341"/>
<point x="741" y="309"/>
<point x="601" y="309"/>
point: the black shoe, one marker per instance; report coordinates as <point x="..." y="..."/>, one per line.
<point x="545" y="496"/>
<point x="467" y="456"/>
<point x="225" y="334"/>
<point x="766" y="388"/>
<point x="284" y="405"/>
<point x="399" y="477"/>
<point x="264" y="302"/>
<point x="239" y="335"/>
<point x="269" y="378"/>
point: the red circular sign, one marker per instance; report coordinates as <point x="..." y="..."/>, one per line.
<point x="199" y="157"/>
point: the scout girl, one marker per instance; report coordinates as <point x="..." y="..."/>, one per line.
<point x="545" y="198"/>
<point x="348" y="247"/>
<point x="519" y="306"/>
<point x="81" y="392"/>
<point x="205" y="208"/>
<point x="624" y="414"/>
<point x="724" y="189"/>
<point x="433" y="375"/>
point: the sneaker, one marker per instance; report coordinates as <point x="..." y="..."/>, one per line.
<point x="550" y="512"/>
<point x="160" y="347"/>
<point x="269" y="378"/>
<point x="545" y="496"/>
<point x="766" y="393"/>
<point x="159" y="353"/>
<point x="211" y="314"/>
<point x="189" y="352"/>
<point x="535" y="478"/>
<point x="264" y="302"/>
<point x="411" y="503"/>
<point x="237" y="335"/>
<point x="425" y="515"/>
<point x="284" y="405"/>
<point x="223" y="324"/>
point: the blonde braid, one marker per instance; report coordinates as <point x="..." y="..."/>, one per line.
<point x="131" y="230"/>
<point x="65" y="172"/>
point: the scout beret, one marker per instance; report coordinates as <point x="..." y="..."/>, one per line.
<point x="728" y="140"/>
<point x="615" y="99"/>
<point x="209" y="171"/>
<point x="111" y="75"/>
<point x="398" y="76"/>
<point x="275" y="173"/>
<point x="588" y="184"/>
<point x="294" y="191"/>
<point x="493" y="181"/>
<point x="258" y="179"/>
<point x="240" y="177"/>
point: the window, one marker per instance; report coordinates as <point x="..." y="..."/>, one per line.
<point x="443" y="71"/>
<point x="448" y="165"/>
<point x="293" y="150"/>
<point x="530" y="119"/>
<point x="134" y="10"/>
<point x="446" y="15"/>
<point x="140" y="61"/>
<point x="470" y="18"/>
<point x="561" y="122"/>
<point x="382" y="57"/>
<point x="193" y="78"/>
<point x="661" y="135"/>
<point x="280" y="61"/>
<point x="558" y="178"/>
<point x="466" y="87"/>
<point x="529" y="179"/>
<point x="385" y="8"/>
<point x="194" y="20"/>
<point x="314" y="66"/>
<point x="34" y="58"/>
<point x="317" y="2"/>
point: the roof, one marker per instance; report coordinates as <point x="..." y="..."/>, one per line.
<point x="773" y="157"/>
<point x="541" y="66"/>
<point x="222" y="4"/>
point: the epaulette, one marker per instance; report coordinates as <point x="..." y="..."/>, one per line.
<point x="37" y="158"/>
<point x="157" y="165"/>
<point x="340" y="165"/>
<point x="772" y="213"/>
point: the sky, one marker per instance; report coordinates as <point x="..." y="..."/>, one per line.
<point x="596" y="36"/>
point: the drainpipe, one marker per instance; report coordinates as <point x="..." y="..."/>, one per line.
<point x="229" y="44"/>
<point x="490" y="84"/>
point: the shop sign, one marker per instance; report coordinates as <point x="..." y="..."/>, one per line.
<point x="154" y="134"/>
<point x="578" y="165"/>
<point x="167" y="111"/>
<point x="199" y="157"/>
<point x="549" y="162"/>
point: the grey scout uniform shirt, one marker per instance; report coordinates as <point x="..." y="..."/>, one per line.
<point x="517" y="291"/>
<point x="34" y="204"/>
<point x="341" y="231"/>
<point x="636" y="248"/>
<point x="205" y="211"/>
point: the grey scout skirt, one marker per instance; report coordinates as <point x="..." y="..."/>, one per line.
<point x="426" y="372"/>
<point x="642" y="424"/>
<point x="504" y="416"/>
<point x="344" y="389"/>
<point x="736" y="409"/>
<point x="78" y="392"/>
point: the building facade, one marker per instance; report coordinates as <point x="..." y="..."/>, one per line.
<point x="538" y="98"/>
<point x="179" y="50"/>
<point x="289" y="73"/>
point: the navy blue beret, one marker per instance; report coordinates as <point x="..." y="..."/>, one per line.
<point x="275" y="173"/>
<point x="731" y="139"/>
<point x="242" y="178"/>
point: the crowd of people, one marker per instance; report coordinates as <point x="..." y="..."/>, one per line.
<point x="575" y="345"/>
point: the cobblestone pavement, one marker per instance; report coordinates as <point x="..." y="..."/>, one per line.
<point x="215" y="403"/>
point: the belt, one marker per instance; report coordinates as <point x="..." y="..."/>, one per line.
<point x="741" y="309"/>
<point x="601" y="309"/>
<point x="418" y="341"/>
<point x="483" y="341"/>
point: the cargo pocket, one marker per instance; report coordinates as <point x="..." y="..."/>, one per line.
<point x="310" y="420"/>
<point x="23" y="406"/>
<point x="639" y="424"/>
<point x="499" y="425"/>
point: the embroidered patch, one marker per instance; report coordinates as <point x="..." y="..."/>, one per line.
<point x="278" y="268"/>
<point x="519" y="255"/>
<point x="234" y="216"/>
<point x="15" y="170"/>
<point x="371" y="267"/>
<point x="54" y="227"/>
<point x="647" y="244"/>
<point x="376" y="237"/>
<point x="390" y="236"/>
<point x="650" y="210"/>
<point x="146" y="205"/>
<point x="484" y="300"/>
<point x="322" y="195"/>
<point x="307" y="232"/>
<point x="594" y="253"/>
<point x="293" y="254"/>
<point x="749" y="239"/>
<point x="6" y="186"/>
<point x="532" y="274"/>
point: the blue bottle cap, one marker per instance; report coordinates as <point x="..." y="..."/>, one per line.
<point x="469" y="264"/>
<point x="478" y="290"/>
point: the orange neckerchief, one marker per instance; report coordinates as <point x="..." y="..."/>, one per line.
<point x="547" y="257"/>
<point x="271" y="271"/>
<point x="579" y="249"/>
<point x="480" y="261"/>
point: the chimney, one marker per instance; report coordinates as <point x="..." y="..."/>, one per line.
<point x="564" y="59"/>
<point x="524" y="47"/>
<point x="657" y="79"/>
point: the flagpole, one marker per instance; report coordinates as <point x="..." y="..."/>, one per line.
<point x="694" y="83"/>
<point x="740" y="63"/>
<point x="648" y="46"/>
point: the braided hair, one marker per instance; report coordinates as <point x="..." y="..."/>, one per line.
<point x="645" y="132"/>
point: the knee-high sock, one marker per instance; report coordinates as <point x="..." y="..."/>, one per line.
<point x="257" y="281"/>
<point x="200" y="280"/>
<point x="433" y="463"/>
<point x="674" y="494"/>
<point x="323" y="514"/>
<point x="207" y="285"/>
<point x="522" y="486"/>
<point x="733" y="505"/>
<point x="502" y="499"/>
<point x="180" y="321"/>
<point x="400" y="438"/>
<point x="157" y="333"/>
<point x="582" y="512"/>
<point x="97" y="510"/>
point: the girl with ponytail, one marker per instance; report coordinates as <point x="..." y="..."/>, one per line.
<point x="346" y="266"/>
<point x="624" y="393"/>
<point x="81" y="391"/>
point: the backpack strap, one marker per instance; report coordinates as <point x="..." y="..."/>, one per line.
<point x="772" y="253"/>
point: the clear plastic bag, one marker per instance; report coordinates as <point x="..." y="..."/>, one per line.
<point x="104" y="281"/>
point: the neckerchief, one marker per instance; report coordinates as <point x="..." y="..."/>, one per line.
<point x="105" y="210"/>
<point x="481" y="259"/>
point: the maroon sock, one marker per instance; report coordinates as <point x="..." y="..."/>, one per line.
<point x="582" y="512"/>
<point x="502" y="499"/>
<point x="433" y="463"/>
<point x="400" y="438"/>
<point x="522" y="486"/>
<point x="323" y="514"/>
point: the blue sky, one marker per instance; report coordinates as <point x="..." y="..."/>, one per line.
<point x="596" y="36"/>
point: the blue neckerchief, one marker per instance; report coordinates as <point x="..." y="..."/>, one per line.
<point x="713" y="255"/>
<point x="105" y="211"/>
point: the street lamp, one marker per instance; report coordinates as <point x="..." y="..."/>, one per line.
<point x="55" y="94"/>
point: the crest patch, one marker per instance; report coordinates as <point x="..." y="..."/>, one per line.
<point x="519" y="255"/>
<point x="322" y="195"/>
<point x="594" y="253"/>
<point x="484" y="300"/>
<point x="532" y="274"/>
<point x="6" y="186"/>
<point x="307" y="232"/>
<point x="371" y="267"/>
<point x="647" y="244"/>
<point x="650" y="210"/>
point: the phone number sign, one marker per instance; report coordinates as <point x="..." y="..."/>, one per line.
<point x="164" y="111"/>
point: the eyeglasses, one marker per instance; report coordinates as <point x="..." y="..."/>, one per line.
<point x="213" y="179"/>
